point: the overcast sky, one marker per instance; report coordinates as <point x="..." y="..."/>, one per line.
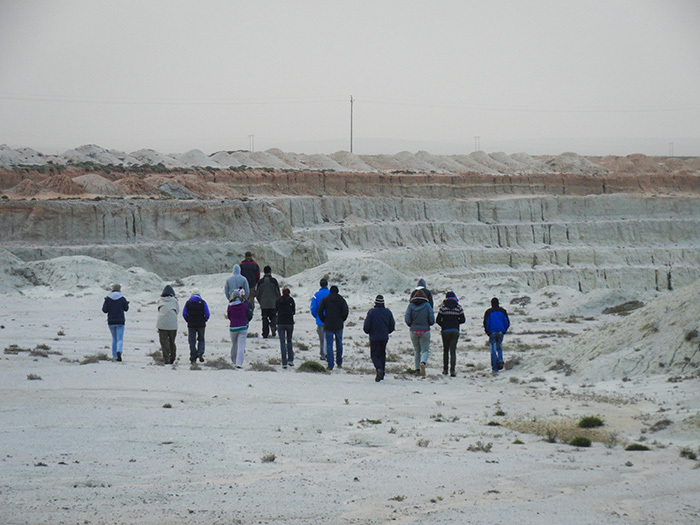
<point x="543" y="77"/>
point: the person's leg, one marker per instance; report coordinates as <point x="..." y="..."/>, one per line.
<point x="283" y="345"/>
<point x="494" y="353"/>
<point x="120" y="341"/>
<point x="415" y="340"/>
<point x="339" y="347"/>
<point x="192" y="340"/>
<point x="265" y="314"/>
<point x="290" y="348"/>
<point x="173" y="345"/>
<point x="374" y="354"/>
<point x="321" y="331"/>
<point x="445" y="351"/>
<point x="200" y="343"/>
<point x="273" y="322"/>
<point x="329" y="349"/>
<point x="242" y="336"/>
<point x="234" y="347"/>
<point x="453" y="352"/>
<point x="425" y="351"/>
<point x="499" y="350"/>
<point x="113" y="331"/>
<point x="164" y="345"/>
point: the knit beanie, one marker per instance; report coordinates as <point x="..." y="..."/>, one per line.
<point x="379" y="300"/>
<point x="452" y="295"/>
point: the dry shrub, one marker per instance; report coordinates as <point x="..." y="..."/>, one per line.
<point x="94" y="358"/>
<point x="219" y="363"/>
<point x="553" y="430"/>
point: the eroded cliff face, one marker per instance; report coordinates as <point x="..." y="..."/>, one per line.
<point x="645" y="238"/>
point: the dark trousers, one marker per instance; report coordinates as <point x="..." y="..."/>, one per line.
<point x="167" y="345"/>
<point x="449" y="350"/>
<point x="269" y="321"/>
<point x="377" y="350"/>
<point x="285" y="332"/>
<point x="195" y="337"/>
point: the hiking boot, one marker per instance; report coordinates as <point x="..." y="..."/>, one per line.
<point x="453" y="374"/>
<point x="378" y="377"/>
<point x="119" y="356"/>
<point x="422" y="369"/>
<point x="201" y="358"/>
<point x="291" y="364"/>
<point x="500" y="365"/>
<point x="381" y="375"/>
<point x="444" y="372"/>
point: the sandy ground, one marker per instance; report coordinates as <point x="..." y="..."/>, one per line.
<point x="95" y="443"/>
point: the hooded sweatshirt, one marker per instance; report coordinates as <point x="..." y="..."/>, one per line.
<point x="422" y="286"/>
<point x="419" y="314"/>
<point x="496" y="319"/>
<point x="114" y="306"/>
<point x="168" y="308"/>
<point x="235" y="282"/>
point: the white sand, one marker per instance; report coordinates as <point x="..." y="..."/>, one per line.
<point x="93" y="443"/>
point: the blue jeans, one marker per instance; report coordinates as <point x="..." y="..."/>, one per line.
<point x="495" y="340"/>
<point x="117" y="331"/>
<point x="285" y="334"/>
<point x="338" y="334"/>
<point x="421" y="347"/>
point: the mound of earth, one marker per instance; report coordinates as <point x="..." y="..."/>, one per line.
<point x="26" y="188"/>
<point x="98" y="185"/>
<point x="78" y="272"/>
<point x="660" y="338"/>
<point x="136" y="186"/>
<point x="63" y="185"/>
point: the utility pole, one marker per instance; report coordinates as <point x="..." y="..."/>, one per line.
<point x="352" y="100"/>
<point x="251" y="143"/>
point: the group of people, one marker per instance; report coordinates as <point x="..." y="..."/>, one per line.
<point x="330" y="311"/>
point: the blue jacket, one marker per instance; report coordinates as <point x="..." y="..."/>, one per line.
<point x="316" y="300"/>
<point x="496" y="320"/>
<point x="196" y="312"/>
<point x="114" y="306"/>
<point x="379" y="323"/>
<point x="419" y="314"/>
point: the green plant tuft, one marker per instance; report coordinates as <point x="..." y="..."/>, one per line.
<point x="312" y="366"/>
<point x="580" y="441"/>
<point x="590" y="422"/>
<point x="636" y="447"/>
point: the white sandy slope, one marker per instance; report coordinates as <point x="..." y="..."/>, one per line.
<point x="95" y="443"/>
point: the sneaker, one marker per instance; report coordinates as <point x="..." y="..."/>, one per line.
<point x="193" y="361"/>
<point x="453" y="374"/>
<point x="444" y="372"/>
<point x="119" y="356"/>
<point x="340" y="365"/>
<point x="201" y="358"/>
<point x="500" y="365"/>
<point x="284" y="366"/>
<point x="324" y="356"/>
<point x="378" y="377"/>
<point x="291" y="364"/>
<point x="238" y="367"/>
<point x="422" y="369"/>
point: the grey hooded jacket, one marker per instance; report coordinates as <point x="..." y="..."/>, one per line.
<point x="235" y="282"/>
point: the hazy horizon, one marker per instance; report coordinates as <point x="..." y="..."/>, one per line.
<point x="540" y="77"/>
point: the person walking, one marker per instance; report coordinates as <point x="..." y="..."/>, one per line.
<point x="235" y="282"/>
<point x="239" y="312"/>
<point x="267" y="292"/>
<point x="379" y="323"/>
<point x="196" y="314"/>
<point x="251" y="271"/>
<point x="166" y="324"/>
<point x="424" y="287"/>
<point x="315" y="301"/>
<point x="420" y="317"/>
<point x="285" y="309"/>
<point x="450" y="316"/>
<point x="115" y="304"/>
<point x="333" y="311"/>
<point x="496" y="324"/>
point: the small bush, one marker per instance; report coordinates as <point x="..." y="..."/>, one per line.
<point x="688" y="453"/>
<point x="580" y="441"/>
<point x="313" y="367"/>
<point x="423" y="442"/>
<point x="259" y="366"/>
<point x="301" y="346"/>
<point x="660" y="425"/>
<point x="33" y="377"/>
<point x="636" y="447"/>
<point x="167" y="405"/>
<point x="94" y="358"/>
<point x="518" y="442"/>
<point x="480" y="447"/>
<point x="268" y="458"/>
<point x="219" y="363"/>
<point x="590" y="422"/>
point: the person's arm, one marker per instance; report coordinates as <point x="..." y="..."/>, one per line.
<point x="392" y="324"/>
<point x="206" y="310"/>
<point x="367" y="325"/>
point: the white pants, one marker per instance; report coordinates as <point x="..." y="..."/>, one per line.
<point x="238" y="347"/>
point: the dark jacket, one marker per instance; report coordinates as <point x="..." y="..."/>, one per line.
<point x="251" y="271"/>
<point x="450" y="315"/>
<point x="379" y="323"/>
<point x="196" y="312"/>
<point x="496" y="320"/>
<point x="428" y="294"/>
<point x="114" y="306"/>
<point x="285" y="310"/>
<point x="267" y="292"/>
<point x="419" y="314"/>
<point x="333" y="311"/>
